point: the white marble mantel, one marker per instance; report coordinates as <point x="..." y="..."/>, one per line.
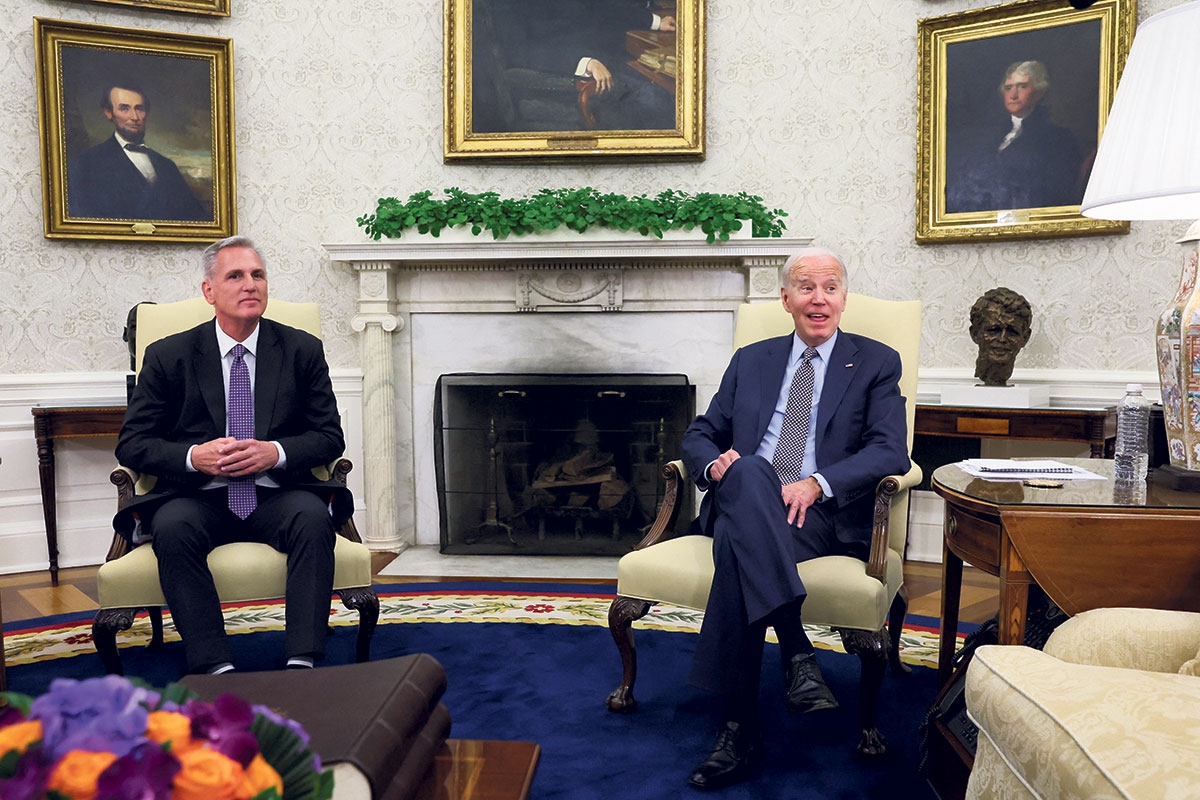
<point x="530" y="304"/>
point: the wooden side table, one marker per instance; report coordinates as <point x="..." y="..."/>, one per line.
<point x="1093" y="426"/>
<point x="65" y="422"/>
<point x="1084" y="547"/>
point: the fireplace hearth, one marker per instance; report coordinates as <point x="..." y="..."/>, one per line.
<point x="554" y="464"/>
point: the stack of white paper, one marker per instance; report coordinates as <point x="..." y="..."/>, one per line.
<point x="1007" y="469"/>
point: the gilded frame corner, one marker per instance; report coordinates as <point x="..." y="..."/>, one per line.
<point x="484" y="110"/>
<point x="962" y="58"/>
<point x="211" y="8"/>
<point x="188" y="84"/>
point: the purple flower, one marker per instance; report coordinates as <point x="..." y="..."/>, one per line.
<point x="225" y="725"/>
<point x="145" y="773"/>
<point x="100" y="714"/>
<point x="29" y="779"/>
<point x="10" y="715"/>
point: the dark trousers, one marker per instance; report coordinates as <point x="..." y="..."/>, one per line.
<point x="755" y="552"/>
<point x="186" y="529"/>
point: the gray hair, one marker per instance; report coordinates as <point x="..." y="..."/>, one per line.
<point x="785" y="272"/>
<point x="1034" y="70"/>
<point x="208" y="261"/>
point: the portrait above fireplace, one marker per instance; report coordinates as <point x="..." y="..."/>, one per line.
<point x="565" y="464"/>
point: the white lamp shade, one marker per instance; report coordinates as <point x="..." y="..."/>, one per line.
<point x="1148" y="162"/>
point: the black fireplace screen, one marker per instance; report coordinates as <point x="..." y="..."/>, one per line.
<point x="554" y="464"/>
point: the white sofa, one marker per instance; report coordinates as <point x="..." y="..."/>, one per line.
<point x="1109" y="709"/>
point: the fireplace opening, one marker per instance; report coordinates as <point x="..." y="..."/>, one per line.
<point x="555" y="464"/>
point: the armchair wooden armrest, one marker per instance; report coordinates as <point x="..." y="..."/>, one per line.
<point x="663" y="527"/>
<point x="131" y="483"/>
<point x="881" y="529"/>
<point x="886" y="492"/>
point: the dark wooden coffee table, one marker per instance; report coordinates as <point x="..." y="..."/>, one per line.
<point x="467" y="769"/>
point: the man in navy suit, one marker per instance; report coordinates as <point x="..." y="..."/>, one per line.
<point x="122" y="178"/>
<point x="848" y="432"/>
<point x="181" y="427"/>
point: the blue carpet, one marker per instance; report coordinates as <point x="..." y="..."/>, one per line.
<point x="547" y="684"/>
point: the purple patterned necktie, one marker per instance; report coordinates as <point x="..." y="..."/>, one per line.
<point x="793" y="434"/>
<point x="243" y="496"/>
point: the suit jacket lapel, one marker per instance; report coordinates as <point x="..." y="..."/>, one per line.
<point x="838" y="372"/>
<point x="209" y="375"/>
<point x="267" y="365"/>
<point x="770" y="382"/>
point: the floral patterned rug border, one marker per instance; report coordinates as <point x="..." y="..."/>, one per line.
<point x="918" y="644"/>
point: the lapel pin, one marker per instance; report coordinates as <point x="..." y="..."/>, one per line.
<point x="851" y="364"/>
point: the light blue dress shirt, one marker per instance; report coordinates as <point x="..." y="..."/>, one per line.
<point x="766" y="447"/>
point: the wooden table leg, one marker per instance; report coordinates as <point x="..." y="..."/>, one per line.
<point x="45" y="451"/>
<point x="1014" y="595"/>
<point x="952" y="569"/>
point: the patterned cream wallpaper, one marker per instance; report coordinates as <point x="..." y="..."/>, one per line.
<point x="811" y="104"/>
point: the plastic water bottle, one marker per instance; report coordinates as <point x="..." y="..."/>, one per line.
<point x="1133" y="436"/>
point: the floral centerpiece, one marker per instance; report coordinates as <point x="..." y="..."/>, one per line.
<point x="114" y="737"/>
<point x="713" y="214"/>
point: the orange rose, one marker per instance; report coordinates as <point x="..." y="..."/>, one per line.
<point x="170" y="727"/>
<point x="75" y="773"/>
<point x="207" y="775"/>
<point x="260" y="776"/>
<point x="19" y="736"/>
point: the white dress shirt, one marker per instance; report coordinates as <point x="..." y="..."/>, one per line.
<point x="225" y="344"/>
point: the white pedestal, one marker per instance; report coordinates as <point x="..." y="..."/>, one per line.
<point x="1017" y="396"/>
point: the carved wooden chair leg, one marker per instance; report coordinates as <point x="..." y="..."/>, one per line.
<point x="621" y="616"/>
<point x="156" y="628"/>
<point x="871" y="648"/>
<point x="896" y="615"/>
<point x="365" y="601"/>
<point x="106" y="625"/>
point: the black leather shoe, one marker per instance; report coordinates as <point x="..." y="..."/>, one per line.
<point x="806" y="688"/>
<point x="734" y="757"/>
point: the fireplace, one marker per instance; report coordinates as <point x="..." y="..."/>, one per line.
<point x="536" y="464"/>
<point x="428" y="308"/>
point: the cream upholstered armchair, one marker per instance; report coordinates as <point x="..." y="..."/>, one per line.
<point x="863" y="601"/>
<point x="1106" y="710"/>
<point x="244" y="571"/>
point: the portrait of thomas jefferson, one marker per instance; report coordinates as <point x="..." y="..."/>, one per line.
<point x="138" y="136"/>
<point x="1021" y="119"/>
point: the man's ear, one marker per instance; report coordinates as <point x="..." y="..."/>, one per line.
<point x="206" y="290"/>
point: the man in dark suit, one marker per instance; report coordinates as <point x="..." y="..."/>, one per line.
<point x="582" y="39"/>
<point x="122" y="178"/>
<point x="231" y="416"/>
<point x="801" y="430"/>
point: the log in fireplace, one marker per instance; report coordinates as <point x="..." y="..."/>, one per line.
<point x="554" y="464"/>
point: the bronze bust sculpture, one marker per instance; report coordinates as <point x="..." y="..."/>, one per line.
<point x="1001" y="324"/>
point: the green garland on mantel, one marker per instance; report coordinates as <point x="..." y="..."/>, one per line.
<point x="716" y="215"/>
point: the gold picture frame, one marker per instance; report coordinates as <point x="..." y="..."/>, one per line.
<point x="521" y="81"/>
<point x="968" y="187"/>
<point x="212" y="8"/>
<point x="171" y="95"/>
